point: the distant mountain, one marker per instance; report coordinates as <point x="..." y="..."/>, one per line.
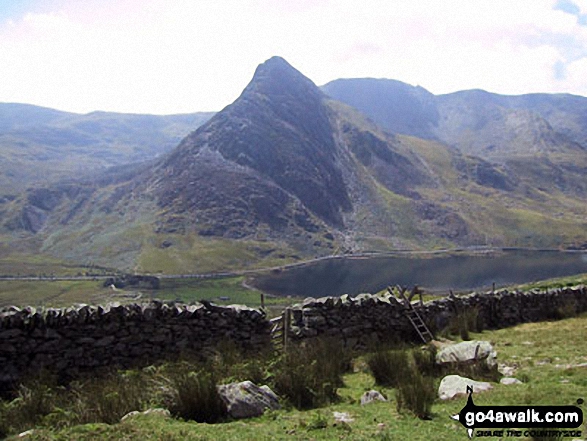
<point x="40" y="145"/>
<point x="285" y="172"/>
<point x="540" y="138"/>
<point x="454" y="118"/>
<point x="394" y="106"/>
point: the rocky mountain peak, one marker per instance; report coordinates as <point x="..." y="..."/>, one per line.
<point x="279" y="131"/>
<point x="277" y="78"/>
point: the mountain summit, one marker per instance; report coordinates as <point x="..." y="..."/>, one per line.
<point x="278" y="131"/>
<point x="280" y="80"/>
<point x="286" y="172"/>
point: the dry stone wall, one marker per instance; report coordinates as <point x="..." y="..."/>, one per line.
<point x="366" y="319"/>
<point x="80" y="339"/>
<point x="73" y="340"/>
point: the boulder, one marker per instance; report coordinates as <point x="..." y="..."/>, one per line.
<point x="370" y="396"/>
<point x="510" y="380"/>
<point x="154" y="411"/>
<point x="454" y="385"/>
<point x="468" y="352"/>
<point x="247" y="400"/>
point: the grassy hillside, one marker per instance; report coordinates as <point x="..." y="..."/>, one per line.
<point x="542" y="354"/>
<point x="39" y="145"/>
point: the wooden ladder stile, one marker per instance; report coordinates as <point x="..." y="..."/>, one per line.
<point x="418" y="324"/>
<point x="412" y="314"/>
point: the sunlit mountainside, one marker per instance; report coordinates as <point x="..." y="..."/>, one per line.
<point x="291" y="171"/>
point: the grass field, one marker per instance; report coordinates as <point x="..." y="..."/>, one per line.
<point x="543" y="354"/>
<point x="58" y="293"/>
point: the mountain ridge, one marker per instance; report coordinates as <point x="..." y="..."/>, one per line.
<point x="40" y="145"/>
<point x="285" y="173"/>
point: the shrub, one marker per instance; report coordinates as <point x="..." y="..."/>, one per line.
<point x="309" y="375"/>
<point x="416" y="393"/>
<point x="106" y="399"/>
<point x="389" y="367"/>
<point x="192" y="395"/>
<point x="425" y="360"/>
<point x="35" y="399"/>
<point x="404" y="370"/>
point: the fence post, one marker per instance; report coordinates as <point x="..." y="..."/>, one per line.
<point x="263" y="300"/>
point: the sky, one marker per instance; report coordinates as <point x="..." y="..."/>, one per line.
<point x="182" y="56"/>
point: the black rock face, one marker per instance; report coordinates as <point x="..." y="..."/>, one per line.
<point x="279" y="129"/>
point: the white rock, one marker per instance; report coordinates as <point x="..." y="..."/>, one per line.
<point x="372" y="395"/>
<point x="159" y="411"/>
<point x="510" y="380"/>
<point x="132" y="414"/>
<point x="468" y="351"/>
<point x="155" y="411"/>
<point x="342" y="417"/>
<point x="453" y="385"/>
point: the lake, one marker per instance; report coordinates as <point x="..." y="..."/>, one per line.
<point x="458" y="271"/>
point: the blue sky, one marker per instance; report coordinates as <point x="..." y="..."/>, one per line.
<point x="161" y="56"/>
<point x="572" y="8"/>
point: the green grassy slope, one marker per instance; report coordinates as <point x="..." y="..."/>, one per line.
<point x="542" y="353"/>
<point x="39" y="145"/>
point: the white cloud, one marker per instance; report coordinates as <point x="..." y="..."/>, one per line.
<point x="163" y="57"/>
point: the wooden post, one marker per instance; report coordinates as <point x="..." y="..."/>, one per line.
<point x="263" y="300"/>
<point x="286" y="324"/>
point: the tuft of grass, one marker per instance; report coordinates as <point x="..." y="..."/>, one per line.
<point x="33" y="402"/>
<point x="425" y="360"/>
<point x="389" y="367"/>
<point x="416" y="394"/>
<point x="318" y="421"/>
<point x="309" y="375"/>
<point x="106" y="399"/>
<point x="404" y="370"/>
<point x="193" y="396"/>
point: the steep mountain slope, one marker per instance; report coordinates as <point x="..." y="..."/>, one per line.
<point x="39" y="145"/>
<point x="279" y="129"/>
<point x="540" y="138"/>
<point x="285" y="173"/>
